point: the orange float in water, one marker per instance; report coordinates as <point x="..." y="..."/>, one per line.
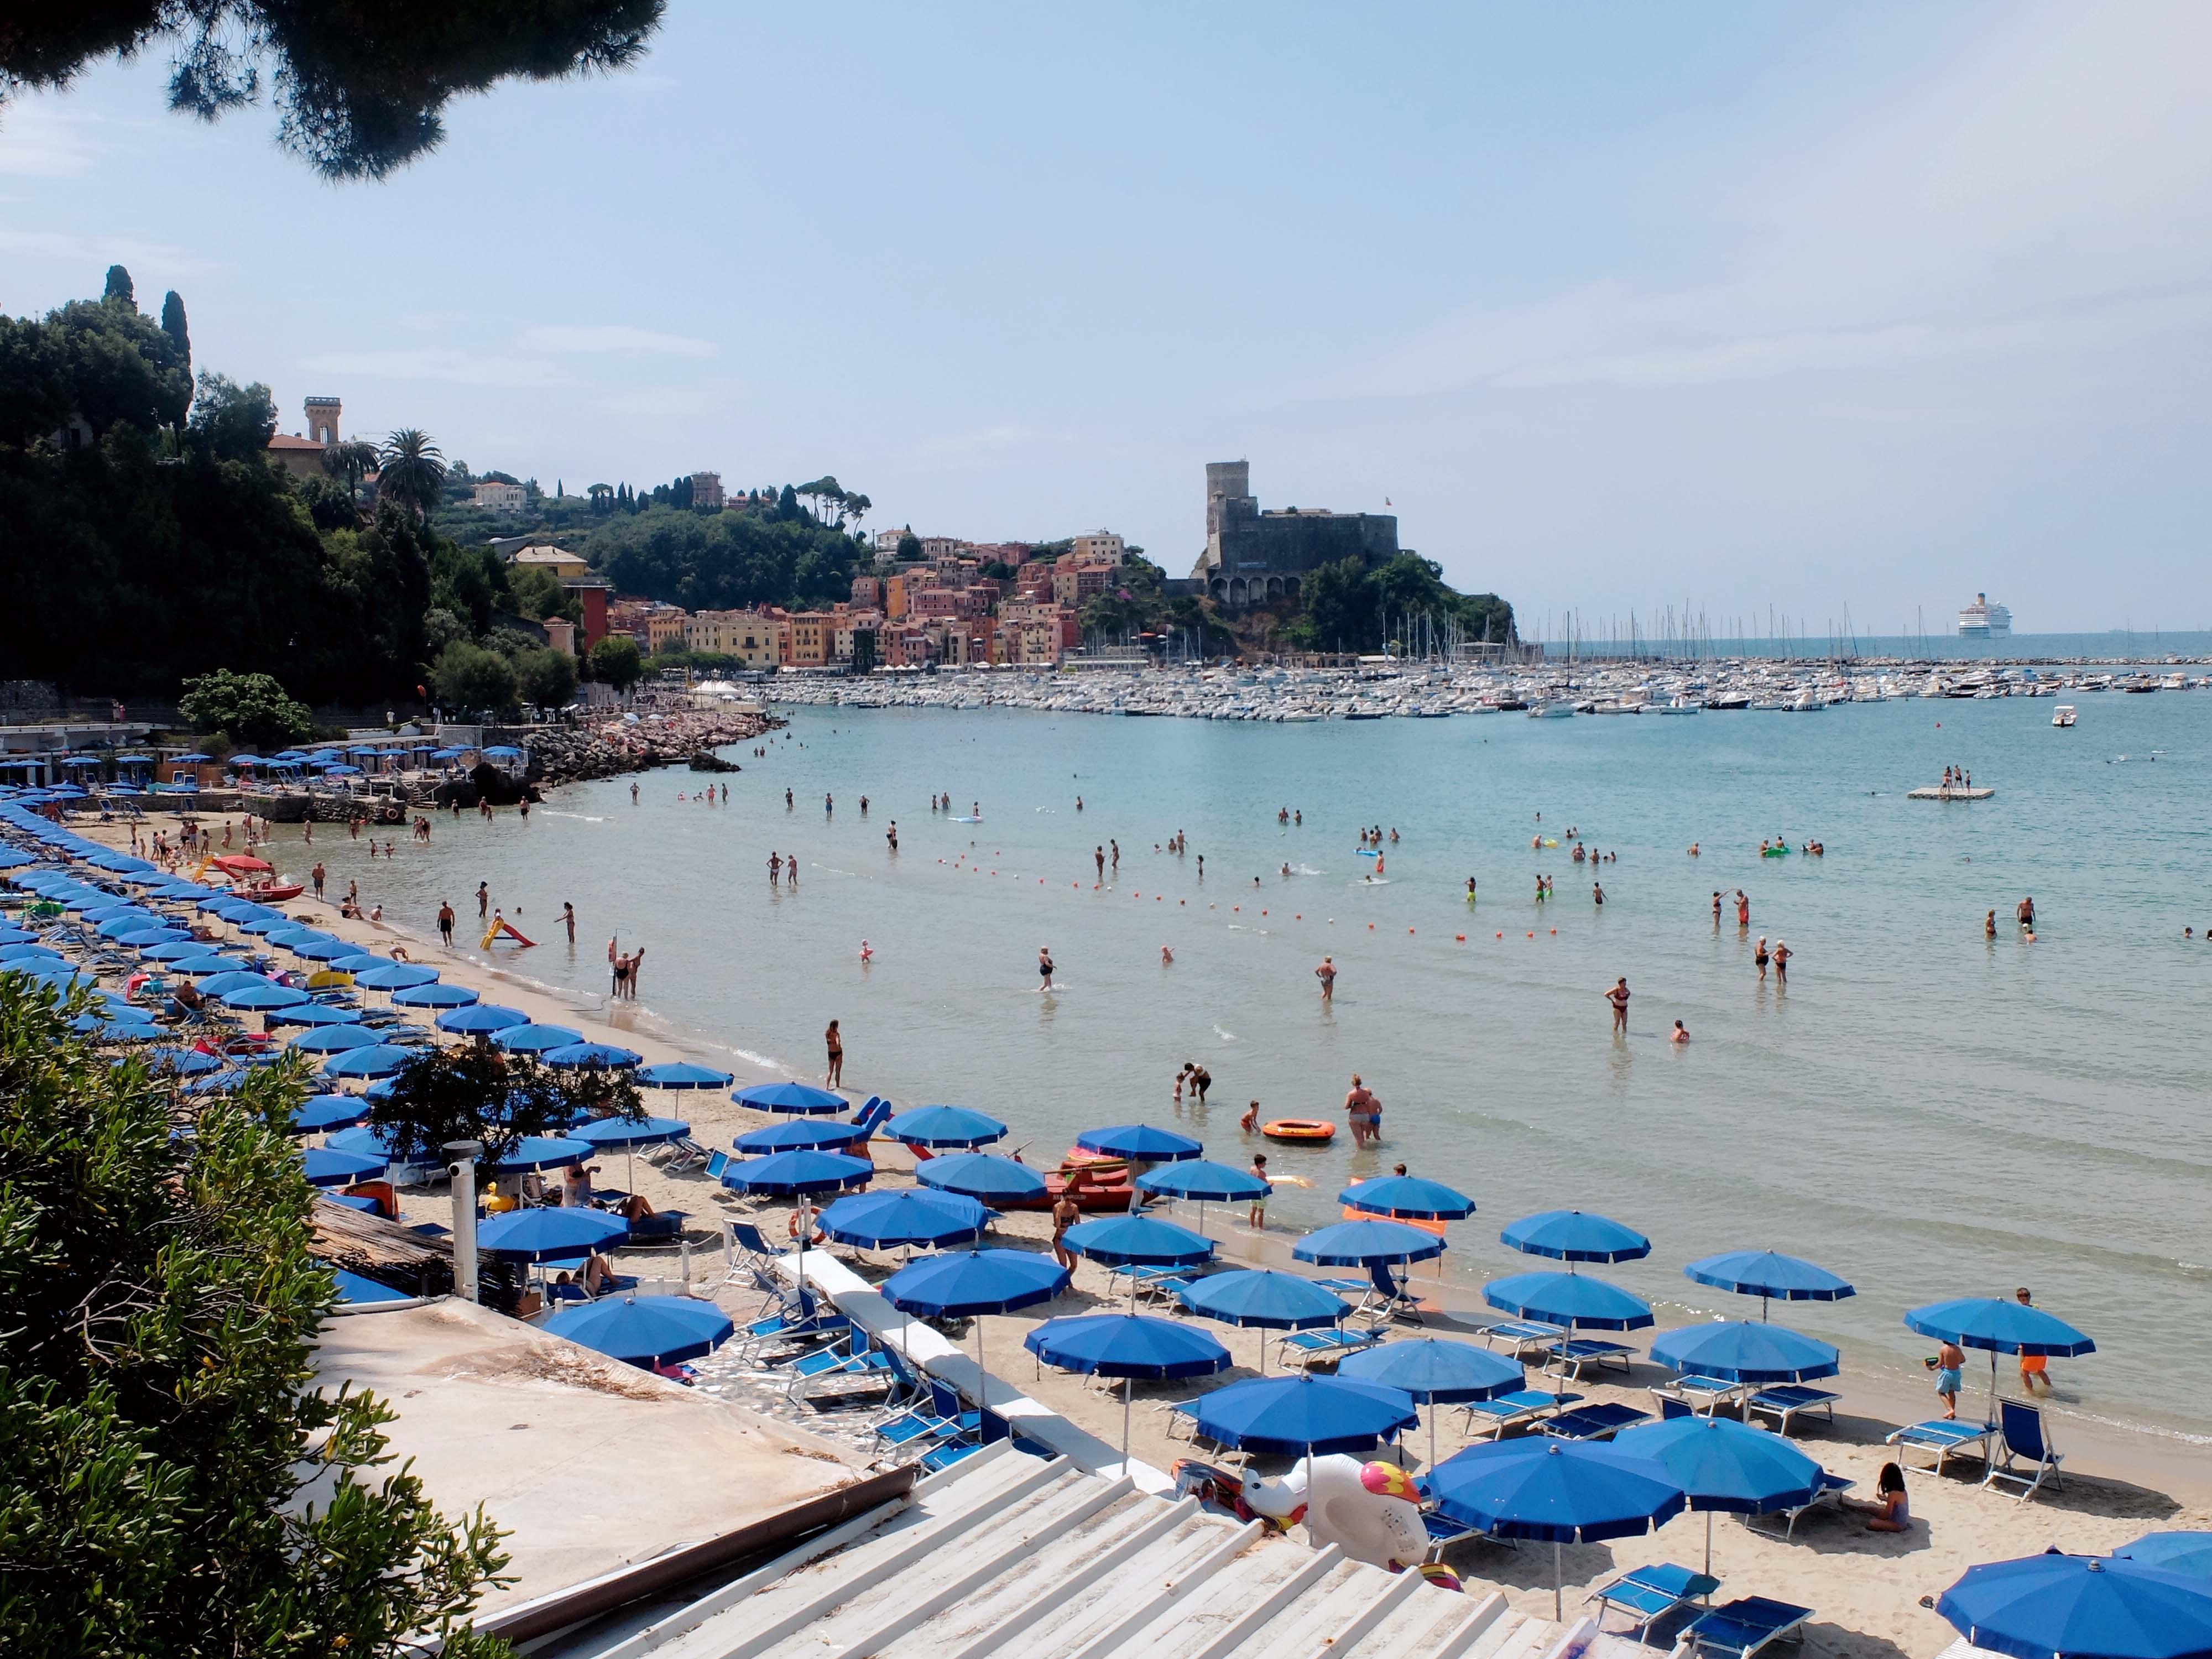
<point x="1313" y="1129"/>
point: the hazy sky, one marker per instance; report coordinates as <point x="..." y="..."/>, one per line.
<point x="1808" y="307"/>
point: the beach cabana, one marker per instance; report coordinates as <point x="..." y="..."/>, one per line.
<point x="1127" y="1346"/>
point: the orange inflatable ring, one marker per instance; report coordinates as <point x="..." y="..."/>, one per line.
<point x="1299" y="1129"/>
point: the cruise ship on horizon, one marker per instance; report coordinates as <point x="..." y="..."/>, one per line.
<point x="1982" y="621"/>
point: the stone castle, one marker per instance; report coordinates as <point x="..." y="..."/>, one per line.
<point x="1252" y="556"/>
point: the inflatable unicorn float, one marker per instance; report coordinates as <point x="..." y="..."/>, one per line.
<point x="1370" y="1511"/>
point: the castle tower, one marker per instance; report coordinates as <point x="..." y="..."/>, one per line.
<point x="323" y="420"/>
<point x="1225" y="481"/>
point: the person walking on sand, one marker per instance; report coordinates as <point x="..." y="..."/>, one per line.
<point x="1949" y="1358"/>
<point x="836" y="1046"/>
<point x="1066" y="1212"/>
<point x="1256" y="1216"/>
<point x="1618" y="998"/>
<point x="1044" y="967"/>
<point x="445" y="922"/>
<point x="1327" y="975"/>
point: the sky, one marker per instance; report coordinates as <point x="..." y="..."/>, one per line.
<point x="1840" y="313"/>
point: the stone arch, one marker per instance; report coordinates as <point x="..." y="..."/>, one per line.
<point x="1236" y="590"/>
<point x="1274" y="587"/>
<point x="1290" y="588"/>
<point x="1220" y="588"/>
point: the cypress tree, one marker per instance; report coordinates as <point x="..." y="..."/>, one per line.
<point x="172" y="324"/>
<point x="118" y="287"/>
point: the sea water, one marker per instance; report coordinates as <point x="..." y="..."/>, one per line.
<point x="1929" y="1112"/>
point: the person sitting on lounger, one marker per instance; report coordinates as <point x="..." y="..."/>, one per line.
<point x="1888" y="1511"/>
<point x="637" y="1207"/>
<point x="599" y="1277"/>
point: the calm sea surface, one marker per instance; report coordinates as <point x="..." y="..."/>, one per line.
<point x="1928" y="1112"/>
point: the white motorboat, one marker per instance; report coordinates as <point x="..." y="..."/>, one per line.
<point x="2063" y="715"/>
<point x="1552" y="709"/>
<point x="1680" y="705"/>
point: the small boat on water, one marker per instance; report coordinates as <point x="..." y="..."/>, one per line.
<point x="2063" y="715"/>
<point x="1680" y="705"/>
<point x="1552" y="709"/>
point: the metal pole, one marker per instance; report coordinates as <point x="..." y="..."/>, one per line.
<point x="461" y="1164"/>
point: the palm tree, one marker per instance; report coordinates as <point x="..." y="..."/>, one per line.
<point x="411" y="471"/>
<point x="352" y="460"/>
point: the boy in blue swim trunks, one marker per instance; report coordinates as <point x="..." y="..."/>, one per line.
<point x="1949" y="1358"/>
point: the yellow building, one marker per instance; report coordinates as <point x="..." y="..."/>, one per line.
<point x="757" y="640"/>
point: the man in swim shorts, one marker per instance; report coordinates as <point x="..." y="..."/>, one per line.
<point x="1327" y="975"/>
<point x="1256" y="1217"/>
<point x="1949" y="1356"/>
<point x="2034" y="1368"/>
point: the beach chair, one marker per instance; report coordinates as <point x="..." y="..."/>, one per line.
<point x="1304" y="1347"/>
<point x="1516" y="1410"/>
<point x="1383" y="1297"/>
<point x="1601" y="1421"/>
<point x="995" y="1427"/>
<point x="1788" y="1400"/>
<point x="1740" y="1628"/>
<point x="1702" y="1395"/>
<point x="915" y="1428"/>
<point x="685" y="1153"/>
<point x="1833" y="1488"/>
<point x="744" y="1251"/>
<point x="716" y="1163"/>
<point x="873" y="1116"/>
<point x="1570" y="1354"/>
<point x="944" y="1457"/>
<point x="854" y="1356"/>
<point x="1444" y="1532"/>
<point x="1946" y="1437"/>
<point x="2024" y="1457"/>
<point x="786" y="1325"/>
<point x="944" y="1400"/>
<point x="1650" y="1593"/>
<point x="1524" y="1336"/>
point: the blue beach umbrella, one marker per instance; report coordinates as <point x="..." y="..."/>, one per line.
<point x="124" y="1024"/>
<point x="1408" y="1198"/>
<point x="219" y="986"/>
<point x="205" y="965"/>
<point x="359" y="962"/>
<point x="1769" y="1275"/>
<point x="1570" y="1301"/>
<point x="615" y="1134"/>
<point x="1127" y="1346"/>
<point x="682" y="1074"/>
<point x="1366" y="1244"/>
<point x="797" y="1099"/>
<point x="376" y="1060"/>
<point x="29" y="953"/>
<point x="1263" y="1297"/>
<point x="326" y="1112"/>
<point x="1746" y="1352"/>
<point x="173" y="950"/>
<point x="373" y="1143"/>
<point x="985" y="1176"/>
<point x="1303" y="1416"/>
<point x="1203" y="1179"/>
<point x="541" y="1153"/>
<point x="324" y="950"/>
<point x="481" y="1019"/>
<point x="1436" y="1371"/>
<point x="183" y="1063"/>
<point x="2187" y="1552"/>
<point x="591" y="1056"/>
<point x="905" y="1215"/>
<point x="265" y="995"/>
<point x="434" y="996"/>
<point x="644" y="1331"/>
<point x="16" y="935"/>
<point x="312" y="1016"/>
<point x="1140" y="1143"/>
<point x="333" y="1039"/>
<point x="1567" y="1491"/>
<point x="2081" y="1607"/>
<point x="970" y="1284"/>
<point x="945" y="1126"/>
<point x="353" y="1289"/>
<point x="1137" y="1241"/>
<point x="535" y="1039"/>
<point x="796" y="1174"/>
<point x="327" y="1167"/>
<point x="545" y="1234"/>
<point x="298" y="933"/>
<point x="398" y="976"/>
<point x="800" y="1134"/>
<point x="1572" y="1236"/>
<point x="1725" y="1466"/>
<point x="2000" y="1327"/>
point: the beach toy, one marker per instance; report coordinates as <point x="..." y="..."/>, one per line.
<point x="1315" y="1130"/>
<point x="1370" y="1511"/>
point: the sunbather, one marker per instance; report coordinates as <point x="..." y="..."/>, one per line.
<point x="1888" y="1511"/>
<point x="599" y="1277"/>
<point x="637" y="1207"/>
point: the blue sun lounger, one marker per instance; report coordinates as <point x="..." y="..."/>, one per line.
<point x="1651" y="1592"/>
<point x="1307" y="1347"/>
<point x="1524" y="1336"/>
<point x="1946" y="1437"/>
<point x="1601" y="1421"/>
<point x="1570" y="1354"/>
<point x="1703" y="1395"/>
<point x="1516" y="1410"/>
<point x="1788" y="1400"/>
<point x="1743" y="1626"/>
<point x="1833" y="1488"/>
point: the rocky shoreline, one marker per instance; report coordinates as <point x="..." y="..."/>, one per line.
<point x="608" y="749"/>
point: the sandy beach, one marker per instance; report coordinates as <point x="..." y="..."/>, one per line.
<point x="1868" y="1589"/>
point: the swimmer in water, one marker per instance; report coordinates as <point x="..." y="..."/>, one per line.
<point x="1327" y="975"/>
<point x="1470" y="890"/>
<point x="867" y="951"/>
<point x="1167" y="958"/>
<point x="1693" y="849"/>
<point x="1989" y="925"/>
<point x="1680" y="1035"/>
<point x="1287" y="867"/>
<point x="1044" y="967"/>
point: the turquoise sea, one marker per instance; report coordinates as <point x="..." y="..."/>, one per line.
<point x="1929" y="1112"/>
